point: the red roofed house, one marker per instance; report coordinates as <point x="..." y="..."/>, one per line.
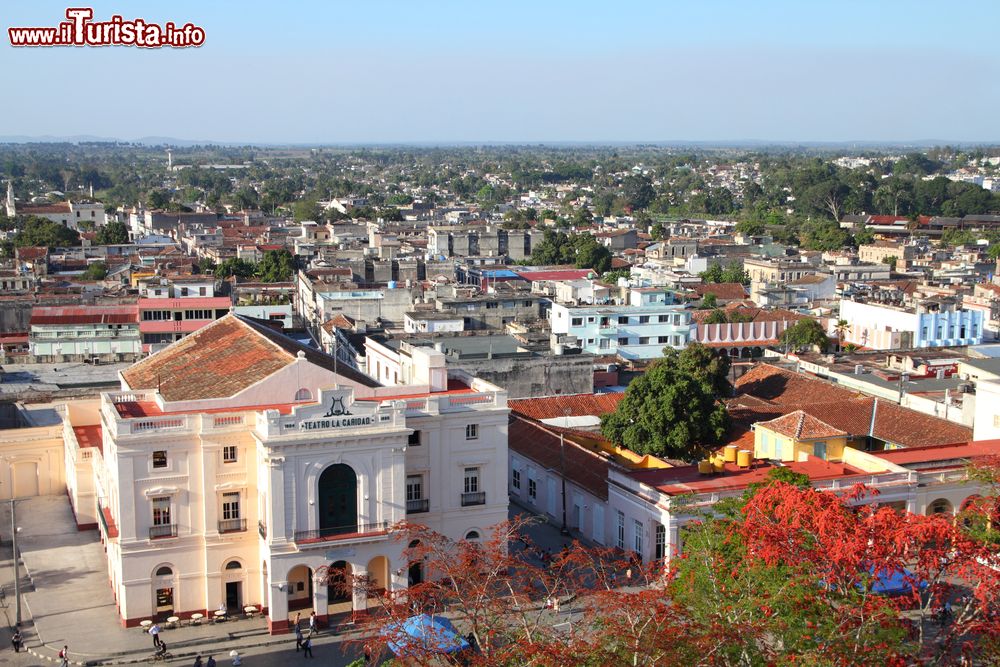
<point x="108" y="333"/>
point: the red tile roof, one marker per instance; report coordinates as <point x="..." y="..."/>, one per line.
<point x="724" y="291"/>
<point x="952" y="452"/>
<point x="785" y="391"/>
<point x="583" y="467"/>
<point x="578" y="405"/>
<point x="687" y="479"/>
<point x="802" y="426"/>
<point x="45" y="315"/>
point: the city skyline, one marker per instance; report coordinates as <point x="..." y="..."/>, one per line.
<point x="560" y="73"/>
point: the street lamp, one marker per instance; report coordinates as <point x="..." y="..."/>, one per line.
<point x="562" y="469"/>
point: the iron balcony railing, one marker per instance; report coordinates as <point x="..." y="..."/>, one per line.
<point x="167" y="530"/>
<point x="474" y="498"/>
<point x="262" y="530"/>
<point x="417" y="506"/>
<point x="341" y="532"/>
<point x="232" y="525"/>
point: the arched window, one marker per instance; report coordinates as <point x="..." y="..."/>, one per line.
<point x="303" y="395"/>
<point x="338" y="500"/>
<point x="940" y="506"/>
<point x="164" y="571"/>
<point x="472" y="536"/>
<point x="233" y="565"/>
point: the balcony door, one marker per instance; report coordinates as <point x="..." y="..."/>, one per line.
<point x="338" y="500"/>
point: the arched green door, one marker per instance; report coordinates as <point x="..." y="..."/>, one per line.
<point x="338" y="500"/>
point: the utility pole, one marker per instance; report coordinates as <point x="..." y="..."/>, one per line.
<point x="17" y="570"/>
<point x="562" y="472"/>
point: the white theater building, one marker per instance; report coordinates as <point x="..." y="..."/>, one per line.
<point x="235" y="466"/>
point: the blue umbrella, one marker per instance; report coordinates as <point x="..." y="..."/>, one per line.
<point x="424" y="634"/>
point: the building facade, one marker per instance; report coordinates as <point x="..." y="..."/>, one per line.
<point x="238" y="468"/>
<point x="883" y="327"/>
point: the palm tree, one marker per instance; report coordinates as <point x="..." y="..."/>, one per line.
<point x="841" y="328"/>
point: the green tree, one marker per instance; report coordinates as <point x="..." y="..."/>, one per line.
<point x="824" y="235"/>
<point x="234" y="267"/>
<point x="717" y="316"/>
<point x="709" y="301"/>
<point x="95" y="271"/>
<point x="891" y="261"/>
<point x="306" y="209"/>
<point x="734" y="273"/>
<point x="35" y="231"/>
<point x="113" y="233"/>
<point x="276" y="266"/>
<point x="658" y="231"/>
<point x="592" y="255"/>
<point x="158" y="199"/>
<point x="713" y="274"/>
<point x="863" y="235"/>
<point x="674" y="409"/>
<point x="750" y="227"/>
<point x="805" y="334"/>
<point x="206" y="266"/>
<point x="638" y="191"/>
<point x="613" y="276"/>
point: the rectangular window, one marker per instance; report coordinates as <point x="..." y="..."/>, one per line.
<point x="663" y="318"/>
<point x="623" y="320"/>
<point x="590" y="320"/>
<point x="622" y="341"/>
<point x="230" y="505"/>
<point x="644" y="319"/>
<point x="637" y="527"/>
<point x="472" y="431"/>
<point x="160" y="458"/>
<point x="515" y="478"/>
<point x="644" y="340"/>
<point x="229" y="454"/>
<point x="661" y="542"/>
<point x="414" y="487"/>
<point x="413" y="440"/>
<point x="471" y="480"/>
<point x="663" y="340"/>
<point x="577" y="322"/>
<point x="161" y="511"/>
<point x="621" y="530"/>
<point x="532" y="489"/>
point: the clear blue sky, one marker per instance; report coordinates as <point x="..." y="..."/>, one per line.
<point x="477" y="70"/>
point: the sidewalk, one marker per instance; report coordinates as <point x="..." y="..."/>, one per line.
<point x="67" y="599"/>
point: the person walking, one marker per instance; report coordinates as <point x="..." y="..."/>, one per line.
<point x="307" y="648"/>
<point x="298" y="638"/>
<point x="64" y="656"/>
<point x="313" y="629"/>
<point x="17" y="640"/>
<point x="211" y="662"/>
<point x="197" y="662"/>
<point x="154" y="630"/>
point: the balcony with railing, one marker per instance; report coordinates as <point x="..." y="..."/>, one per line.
<point x="232" y="525"/>
<point x="166" y="530"/>
<point x="418" y="506"/>
<point x="358" y="531"/>
<point x="473" y="498"/>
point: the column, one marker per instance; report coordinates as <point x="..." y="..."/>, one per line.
<point x="359" y="597"/>
<point x="277" y="610"/>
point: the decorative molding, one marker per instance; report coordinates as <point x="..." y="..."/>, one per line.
<point x="161" y="491"/>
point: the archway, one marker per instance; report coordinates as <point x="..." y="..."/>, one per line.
<point x="940" y="506"/>
<point x="300" y="588"/>
<point x="232" y="586"/>
<point x="338" y="500"/>
<point x="378" y="573"/>
<point x="339" y="587"/>
<point x="164" y="591"/>
<point x="415" y="572"/>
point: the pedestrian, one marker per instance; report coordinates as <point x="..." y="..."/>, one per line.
<point x="197" y="662"/>
<point x="211" y="662"/>
<point x="298" y="638"/>
<point x="17" y="641"/>
<point x="154" y="630"/>
<point x="368" y="655"/>
<point x="307" y="648"/>
<point x="64" y="656"/>
<point x="313" y="629"/>
<point x="161" y="650"/>
<point x="298" y="618"/>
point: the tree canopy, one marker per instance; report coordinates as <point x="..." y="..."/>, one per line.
<point x="675" y="408"/>
<point x="276" y="266"/>
<point x="805" y="334"/>
<point x="581" y="250"/>
<point x="732" y="273"/>
<point x="113" y="233"/>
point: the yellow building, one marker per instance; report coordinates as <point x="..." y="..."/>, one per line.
<point x="796" y="436"/>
